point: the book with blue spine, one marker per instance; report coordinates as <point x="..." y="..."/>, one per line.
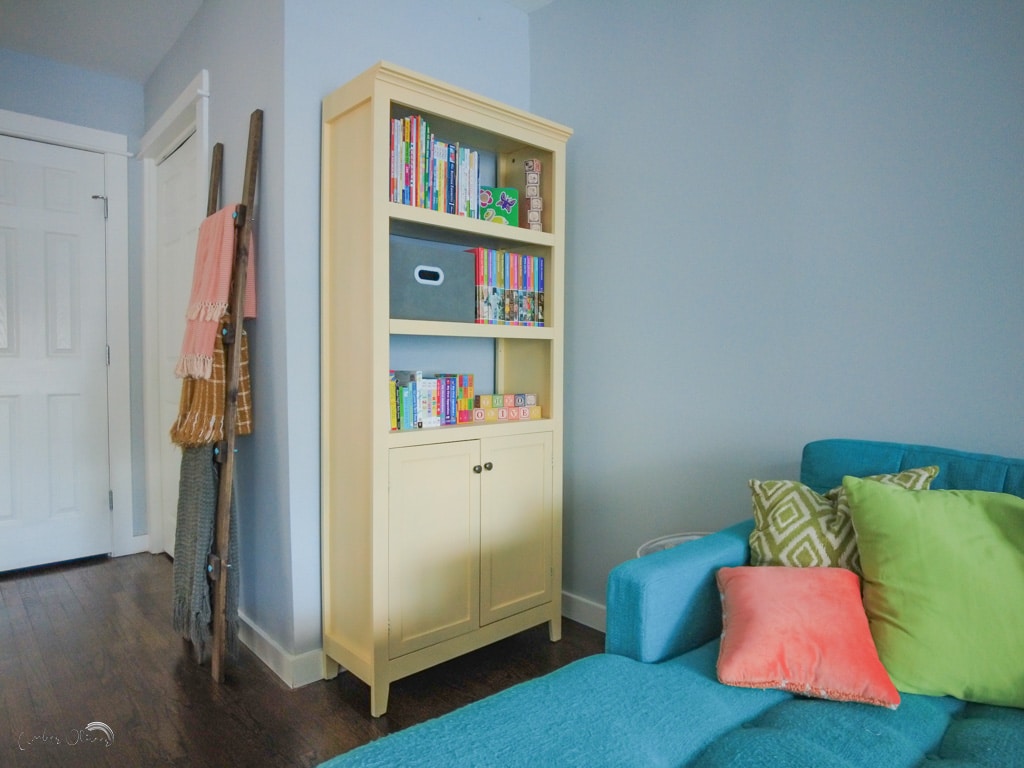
<point x="451" y="179"/>
<point x="539" y="303"/>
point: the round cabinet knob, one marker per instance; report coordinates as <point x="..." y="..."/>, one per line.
<point x="478" y="469"/>
<point x="488" y="466"/>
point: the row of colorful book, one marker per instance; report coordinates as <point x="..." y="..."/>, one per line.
<point x="509" y="287"/>
<point x="425" y="400"/>
<point x="428" y="172"/>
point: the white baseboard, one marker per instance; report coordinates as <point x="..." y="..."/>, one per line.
<point x="131" y="545"/>
<point x="306" y="668"/>
<point x="295" y="671"/>
<point x="584" y="611"/>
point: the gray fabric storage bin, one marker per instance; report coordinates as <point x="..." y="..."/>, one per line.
<point x="432" y="281"/>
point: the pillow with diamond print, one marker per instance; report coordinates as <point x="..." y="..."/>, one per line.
<point x="796" y="526"/>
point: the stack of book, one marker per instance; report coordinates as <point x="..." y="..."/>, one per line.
<point x="423" y="400"/>
<point x="509" y="287"/>
<point x="428" y="172"/>
<point x="506" y="407"/>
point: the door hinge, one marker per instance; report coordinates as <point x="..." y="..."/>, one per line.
<point x="105" y="208"/>
<point x="110" y="498"/>
<point x="108" y="355"/>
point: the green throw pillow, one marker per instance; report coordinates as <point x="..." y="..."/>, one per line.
<point x="944" y="588"/>
<point x="795" y="526"/>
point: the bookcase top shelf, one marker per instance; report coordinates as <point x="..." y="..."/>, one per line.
<point x="421" y="92"/>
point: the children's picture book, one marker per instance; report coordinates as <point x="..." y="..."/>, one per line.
<point x="500" y="205"/>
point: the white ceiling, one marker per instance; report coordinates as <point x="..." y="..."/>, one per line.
<point x="125" y="38"/>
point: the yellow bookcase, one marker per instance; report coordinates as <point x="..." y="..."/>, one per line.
<point x="435" y="541"/>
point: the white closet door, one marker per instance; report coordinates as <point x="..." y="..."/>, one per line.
<point x="54" y="453"/>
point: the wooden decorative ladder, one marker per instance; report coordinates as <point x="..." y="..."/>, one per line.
<point x="218" y="562"/>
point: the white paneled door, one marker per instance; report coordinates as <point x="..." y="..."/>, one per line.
<point x="54" y="457"/>
<point x="177" y="229"/>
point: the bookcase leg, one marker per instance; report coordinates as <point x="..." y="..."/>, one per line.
<point x="555" y="629"/>
<point x="379" y="699"/>
<point x="330" y="668"/>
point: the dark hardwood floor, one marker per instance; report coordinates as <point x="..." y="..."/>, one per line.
<point x="91" y="642"/>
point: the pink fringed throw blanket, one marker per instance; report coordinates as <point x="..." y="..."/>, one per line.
<point x="211" y="285"/>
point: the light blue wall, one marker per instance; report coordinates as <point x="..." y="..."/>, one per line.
<point x="43" y="88"/>
<point x="240" y="43"/>
<point x="286" y="57"/>
<point x="787" y="221"/>
<point x="327" y="43"/>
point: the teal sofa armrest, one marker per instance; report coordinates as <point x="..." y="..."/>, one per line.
<point x="666" y="603"/>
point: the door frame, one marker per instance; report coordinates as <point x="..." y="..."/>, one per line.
<point x="189" y="114"/>
<point x="114" y="148"/>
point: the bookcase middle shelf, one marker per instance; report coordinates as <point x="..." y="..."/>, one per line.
<point x="471" y="330"/>
<point x="436" y="225"/>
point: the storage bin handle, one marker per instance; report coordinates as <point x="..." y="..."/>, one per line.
<point x="426" y="275"/>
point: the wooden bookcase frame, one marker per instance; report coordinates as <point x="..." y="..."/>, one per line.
<point x="359" y="558"/>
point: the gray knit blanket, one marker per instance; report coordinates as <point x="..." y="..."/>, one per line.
<point x="193" y="542"/>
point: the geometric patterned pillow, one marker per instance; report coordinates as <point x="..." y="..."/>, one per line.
<point x="795" y="526"/>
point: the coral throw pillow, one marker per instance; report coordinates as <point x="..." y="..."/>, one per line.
<point x="801" y="630"/>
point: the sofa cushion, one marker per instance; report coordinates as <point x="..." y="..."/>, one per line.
<point x="943" y="586"/>
<point x="827" y="734"/>
<point x="794" y="525"/>
<point x="802" y="630"/>
<point x="825" y="463"/>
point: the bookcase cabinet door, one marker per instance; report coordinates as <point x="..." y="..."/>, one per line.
<point x="434" y="544"/>
<point x="516" y="525"/>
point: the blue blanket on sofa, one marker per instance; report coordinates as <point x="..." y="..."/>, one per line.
<point x="654" y="699"/>
<point x="610" y="710"/>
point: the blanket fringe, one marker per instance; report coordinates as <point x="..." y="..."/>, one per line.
<point x="194" y="367"/>
<point x="206" y="310"/>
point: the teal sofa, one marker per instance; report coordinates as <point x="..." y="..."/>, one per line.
<point x="653" y="699"/>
